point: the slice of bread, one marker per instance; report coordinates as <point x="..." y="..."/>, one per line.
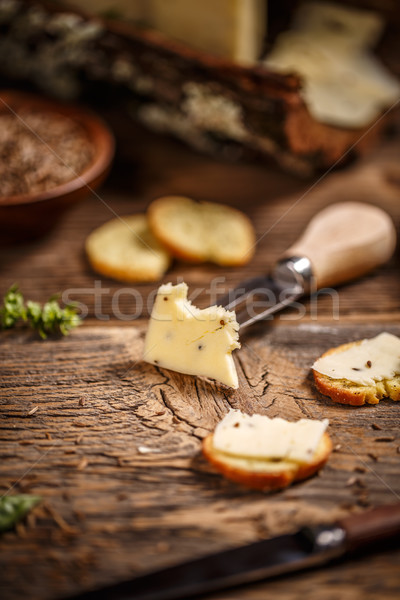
<point x="263" y="474"/>
<point x="126" y="250"/>
<point x="202" y="231"/>
<point x="348" y="392"/>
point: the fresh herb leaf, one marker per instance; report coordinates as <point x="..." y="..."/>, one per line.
<point x="13" y="308"/>
<point x="46" y="319"/>
<point x="14" y="508"/>
<point x="51" y="318"/>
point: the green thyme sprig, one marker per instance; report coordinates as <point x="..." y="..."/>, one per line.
<point x="47" y="319"/>
<point x="14" y="508"/>
<point x="13" y="308"/>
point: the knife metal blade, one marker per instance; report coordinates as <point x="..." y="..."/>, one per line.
<point x="289" y="281"/>
<point x="308" y="547"/>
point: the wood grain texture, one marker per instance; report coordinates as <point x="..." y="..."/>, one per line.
<point x="279" y="206"/>
<point x="112" y="443"/>
<point x="114" y="449"/>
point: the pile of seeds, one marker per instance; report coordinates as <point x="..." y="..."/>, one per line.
<point x="39" y="151"/>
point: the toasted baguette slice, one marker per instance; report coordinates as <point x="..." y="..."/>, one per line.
<point x="202" y="231"/>
<point x="262" y="474"/>
<point x="126" y="250"/>
<point x="347" y="392"/>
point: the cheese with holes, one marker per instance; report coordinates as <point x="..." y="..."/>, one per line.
<point x="364" y="363"/>
<point x="330" y="47"/>
<point x="184" y="338"/>
<point x="260" y="437"/>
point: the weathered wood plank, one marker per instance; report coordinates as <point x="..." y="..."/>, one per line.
<point x="114" y="450"/>
<point x="111" y="510"/>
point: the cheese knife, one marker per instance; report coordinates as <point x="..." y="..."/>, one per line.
<point x="342" y="242"/>
<point x="308" y="547"/>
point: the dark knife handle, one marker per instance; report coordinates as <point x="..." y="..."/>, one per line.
<point x="371" y="526"/>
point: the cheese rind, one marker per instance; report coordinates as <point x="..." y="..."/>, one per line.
<point x="184" y="338"/>
<point x="365" y="363"/>
<point x="259" y="437"/>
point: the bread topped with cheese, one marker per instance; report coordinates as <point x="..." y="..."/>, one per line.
<point x="361" y="372"/>
<point x="202" y="231"/>
<point x="267" y="454"/>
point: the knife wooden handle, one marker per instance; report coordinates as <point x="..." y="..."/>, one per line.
<point x="372" y="526"/>
<point x="345" y="241"/>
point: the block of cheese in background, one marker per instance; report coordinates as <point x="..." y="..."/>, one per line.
<point x="329" y="46"/>
<point x="354" y="28"/>
<point x="184" y="338"/>
<point x="231" y="29"/>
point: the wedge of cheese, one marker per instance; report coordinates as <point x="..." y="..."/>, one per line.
<point x="184" y="338"/>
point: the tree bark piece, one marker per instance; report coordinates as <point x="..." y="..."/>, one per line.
<point x="214" y="105"/>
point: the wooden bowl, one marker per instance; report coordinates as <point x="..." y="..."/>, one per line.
<point x="28" y="216"/>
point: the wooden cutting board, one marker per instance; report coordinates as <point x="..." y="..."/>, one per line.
<point x="112" y="444"/>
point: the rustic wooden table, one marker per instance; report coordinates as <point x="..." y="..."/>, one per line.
<point x="111" y="509"/>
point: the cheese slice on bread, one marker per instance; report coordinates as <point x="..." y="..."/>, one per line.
<point x="360" y="372"/>
<point x="267" y="454"/>
<point x="184" y="338"/>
